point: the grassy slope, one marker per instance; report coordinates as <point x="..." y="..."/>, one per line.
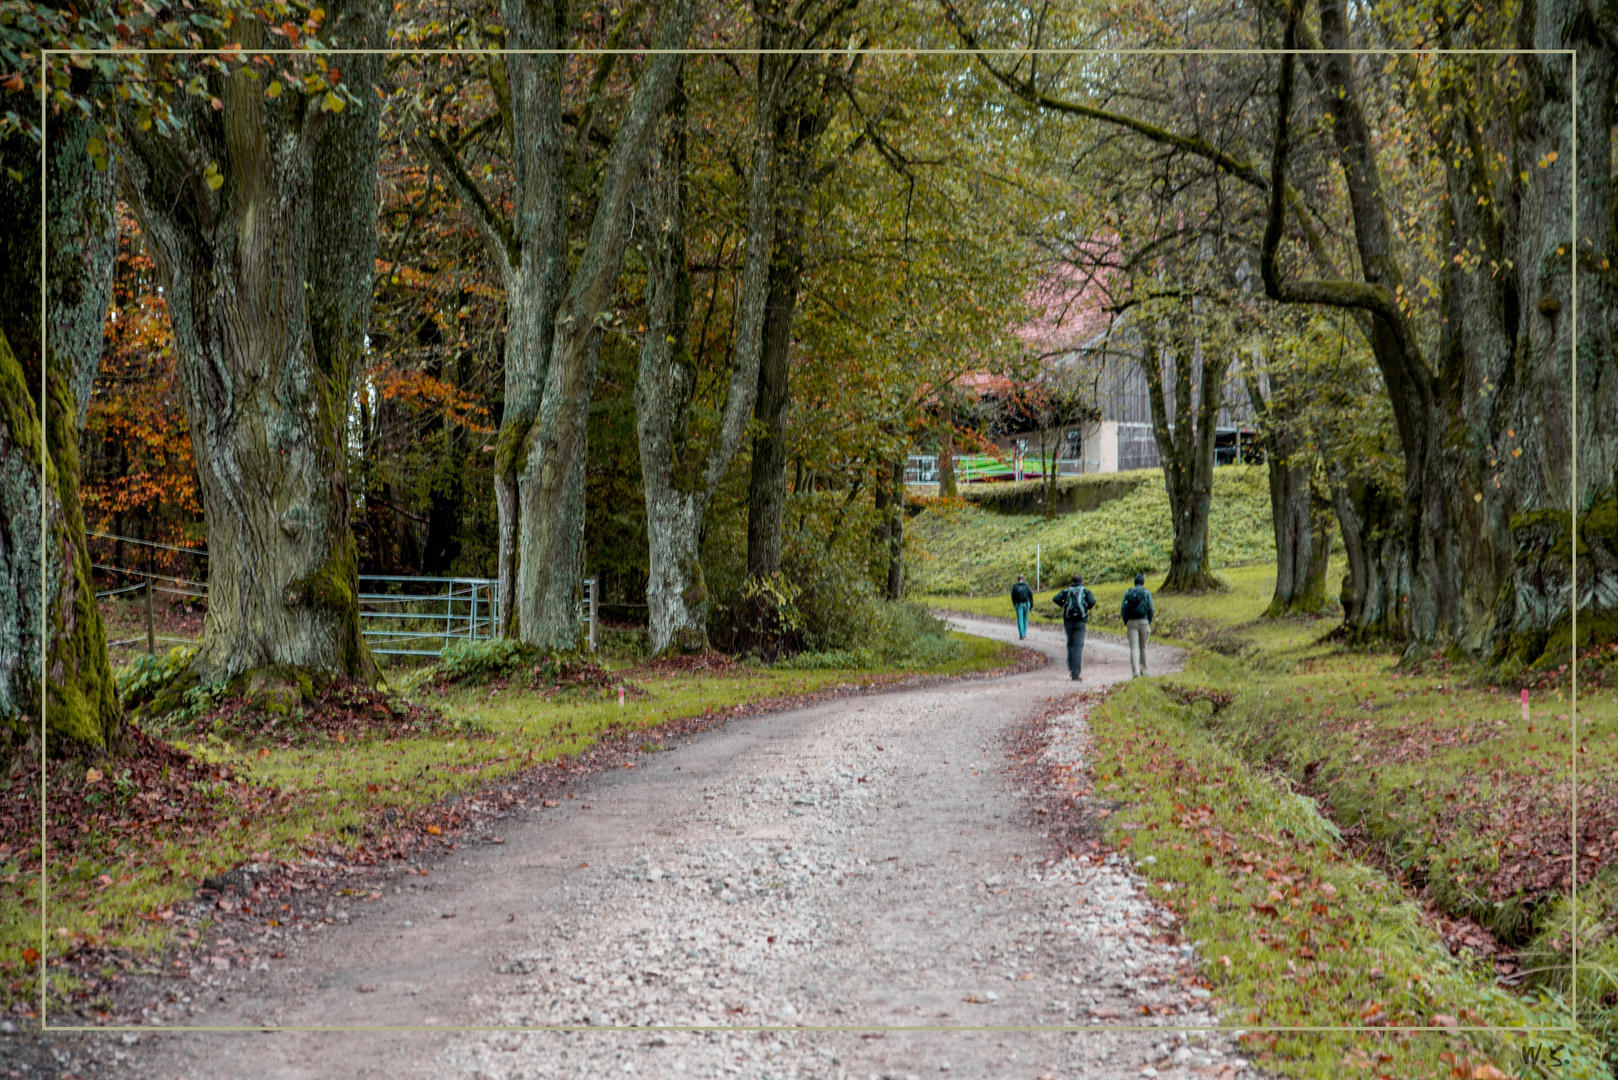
<point x="968" y="551"/>
<point x="306" y="797"/>
<point x="1416" y="768"/>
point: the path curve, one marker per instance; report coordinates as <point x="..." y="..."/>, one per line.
<point x="864" y="861"/>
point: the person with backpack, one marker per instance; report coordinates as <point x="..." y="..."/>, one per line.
<point x="1138" y="614"/>
<point x="1075" y="603"/>
<point x="1022" y="598"/>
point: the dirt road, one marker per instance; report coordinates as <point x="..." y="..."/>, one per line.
<point x="867" y="861"/>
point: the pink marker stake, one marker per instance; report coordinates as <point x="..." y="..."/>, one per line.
<point x="1525" y="705"/>
<point x="1524" y="698"/>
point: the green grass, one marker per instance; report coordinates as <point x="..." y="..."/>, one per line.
<point x="1292" y="929"/>
<point x="321" y="798"/>
<point x="965" y="550"/>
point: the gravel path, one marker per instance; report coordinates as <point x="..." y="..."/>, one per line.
<point x="869" y="861"/>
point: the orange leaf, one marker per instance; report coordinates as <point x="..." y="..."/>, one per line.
<point x="30" y="956"/>
<point x="435" y="830"/>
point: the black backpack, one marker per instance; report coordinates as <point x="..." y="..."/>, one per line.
<point x="1073" y="606"/>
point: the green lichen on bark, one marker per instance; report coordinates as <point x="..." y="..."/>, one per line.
<point x="1534" y="626"/>
<point x="20" y="559"/>
<point x="81" y="706"/>
<point x="334" y="587"/>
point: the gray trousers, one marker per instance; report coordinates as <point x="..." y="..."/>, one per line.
<point x="1139" y="631"/>
<point x="1075" y="646"/>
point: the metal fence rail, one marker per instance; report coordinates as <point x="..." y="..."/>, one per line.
<point x="406" y="617"/>
<point x="403" y="616"/>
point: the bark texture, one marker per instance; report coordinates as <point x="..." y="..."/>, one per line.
<point x="265" y="379"/>
<point x="39" y="466"/>
<point x="676" y="592"/>
<point x="1186" y="447"/>
<point x="551" y="482"/>
<point x="1376" y="590"/>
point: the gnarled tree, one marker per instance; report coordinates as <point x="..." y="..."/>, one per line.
<point x="258" y="206"/>
<point x="1487" y="432"/>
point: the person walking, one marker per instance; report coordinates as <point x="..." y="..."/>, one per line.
<point x="1022" y="598"/>
<point x="1075" y="602"/>
<point x="1137" y="614"/>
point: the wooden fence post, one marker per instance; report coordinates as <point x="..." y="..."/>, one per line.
<point x="595" y="609"/>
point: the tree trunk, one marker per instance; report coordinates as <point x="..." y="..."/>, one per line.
<point x="896" y="532"/>
<point x="1376" y="589"/>
<point x="550" y="485"/>
<point x="948" y="486"/>
<point x="81" y="708"/>
<point x="1186" y="449"/>
<point x="676" y="504"/>
<point x="680" y="478"/>
<point x="265" y="381"/>
<point x="1301" y="548"/>
<point x="341" y="292"/>
<point x="766" y="492"/>
<point x="798" y="129"/>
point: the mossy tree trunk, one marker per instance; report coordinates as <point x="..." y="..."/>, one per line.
<point x="266" y="369"/>
<point x="46" y="573"/>
<point x="1186" y="447"/>
<point x="1376" y="590"/>
<point x="1488" y="436"/>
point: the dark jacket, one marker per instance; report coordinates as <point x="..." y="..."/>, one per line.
<point x="1137" y="604"/>
<point x="1086" y="598"/>
<point x="1021" y="593"/>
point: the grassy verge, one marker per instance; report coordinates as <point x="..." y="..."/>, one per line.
<point x="1437" y="791"/>
<point x="1294" y="930"/>
<point x="142" y="849"/>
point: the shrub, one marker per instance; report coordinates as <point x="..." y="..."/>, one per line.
<point x="899" y="633"/>
<point x="145" y="677"/>
<point x="761" y="619"/>
<point x="476" y="661"/>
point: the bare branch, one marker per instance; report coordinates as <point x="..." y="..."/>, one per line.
<point x="495" y="229"/>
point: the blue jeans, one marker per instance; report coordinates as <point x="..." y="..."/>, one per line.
<point x="1022" y="619"/>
